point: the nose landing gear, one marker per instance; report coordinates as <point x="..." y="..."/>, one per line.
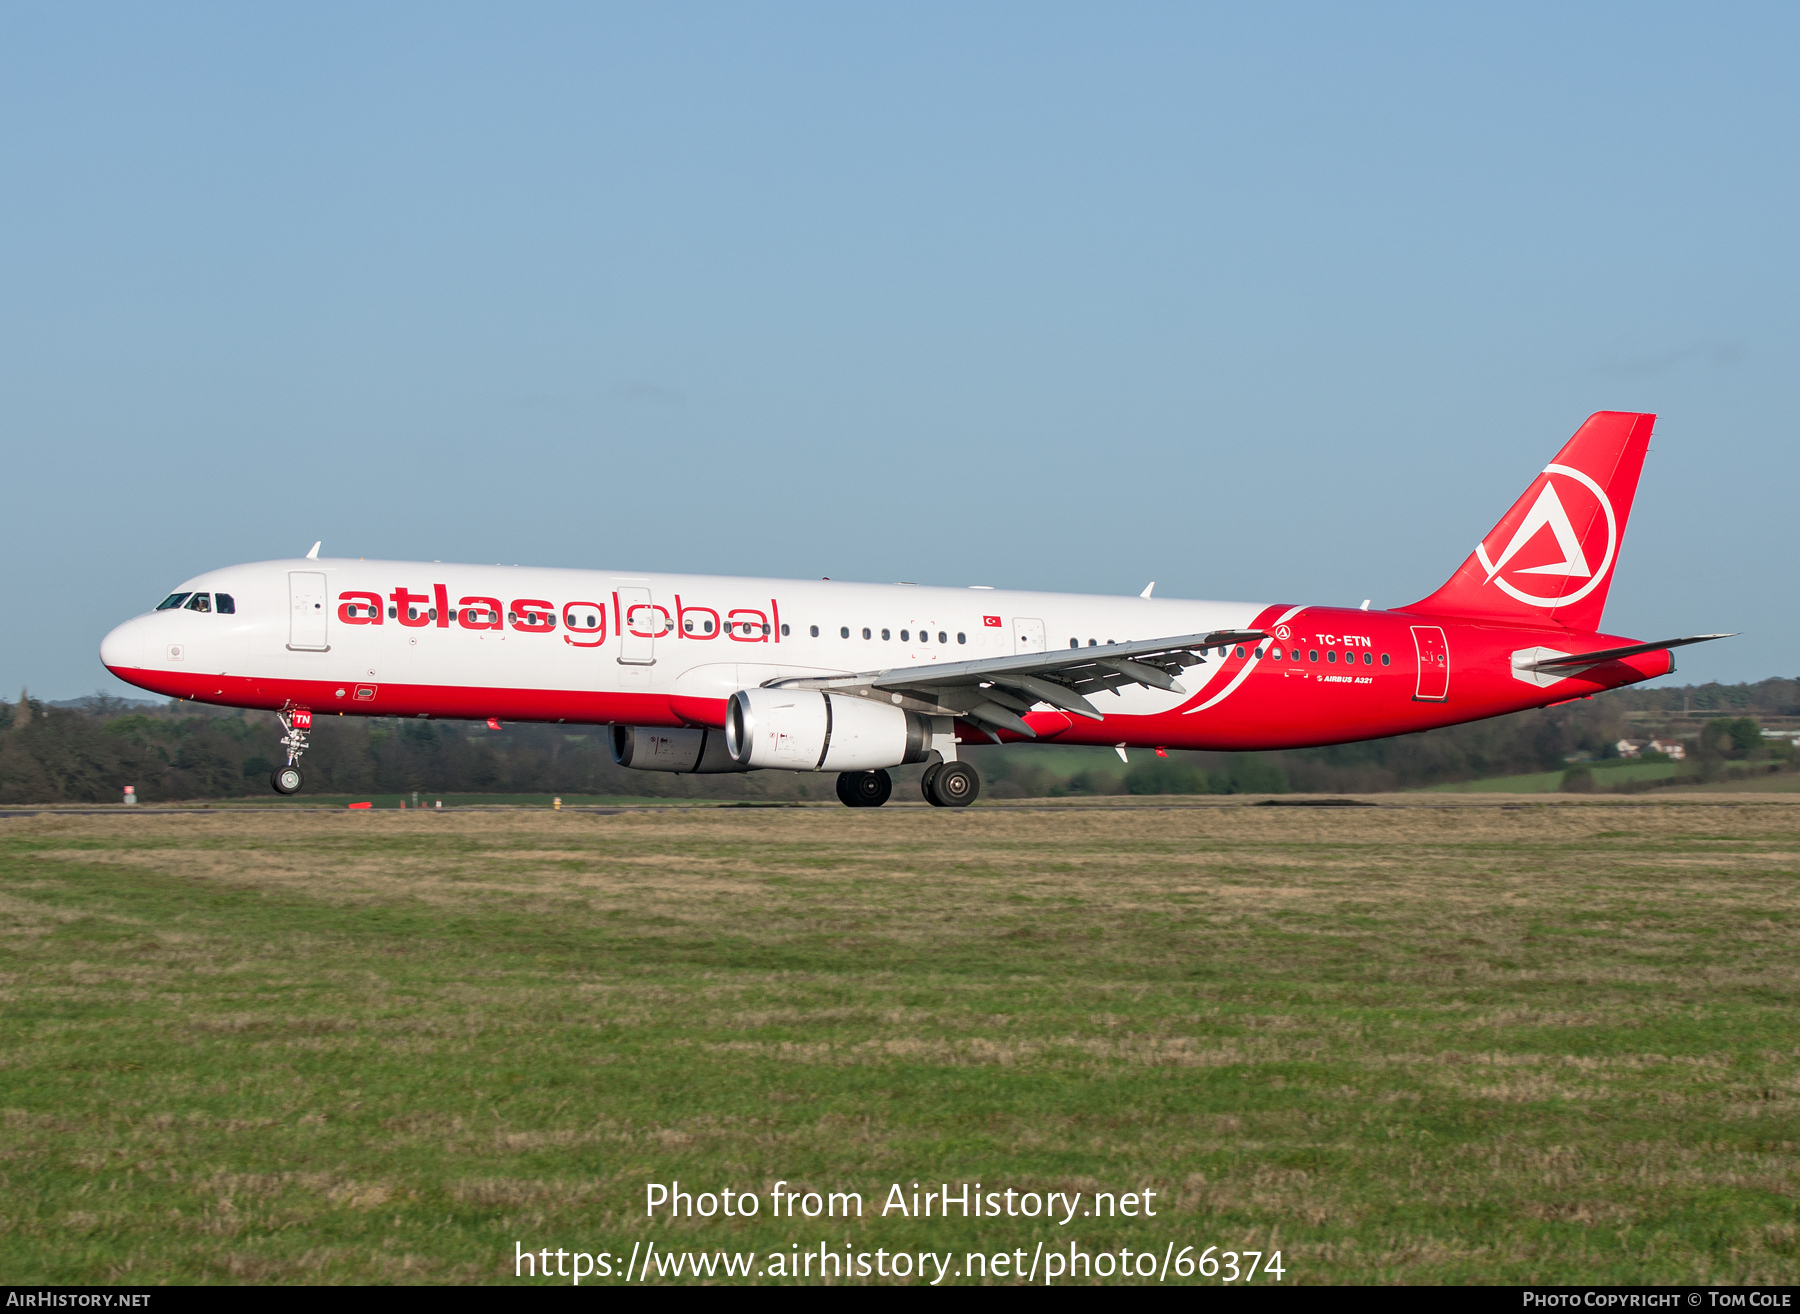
<point x="297" y="722"/>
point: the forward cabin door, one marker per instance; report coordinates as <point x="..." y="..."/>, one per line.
<point x="639" y="624"/>
<point x="1028" y="634"/>
<point x="1434" y="664"/>
<point x="307" y="611"/>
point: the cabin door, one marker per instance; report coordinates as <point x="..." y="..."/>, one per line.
<point x="640" y="621"/>
<point x="307" y="611"/>
<point x="1434" y="664"/>
<point x="1028" y="634"/>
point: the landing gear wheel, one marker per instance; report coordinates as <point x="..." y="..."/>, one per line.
<point x="926" y="781"/>
<point x="286" y="780"/>
<point x="864" y="789"/>
<point x="956" y="785"/>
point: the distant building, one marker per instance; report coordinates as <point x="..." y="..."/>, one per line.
<point x="1629" y="747"/>
<point x="1670" y="748"/>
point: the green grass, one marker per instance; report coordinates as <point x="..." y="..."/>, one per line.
<point x="426" y="799"/>
<point x="1607" y="775"/>
<point x="1440" y="1042"/>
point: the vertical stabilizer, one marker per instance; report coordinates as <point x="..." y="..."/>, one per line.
<point x="1551" y="558"/>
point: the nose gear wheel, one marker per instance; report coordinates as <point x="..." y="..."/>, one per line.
<point x="297" y="722"/>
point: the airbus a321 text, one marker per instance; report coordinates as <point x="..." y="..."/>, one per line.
<point x="701" y="673"/>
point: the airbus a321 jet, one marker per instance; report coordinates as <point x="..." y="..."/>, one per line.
<point x="706" y="673"/>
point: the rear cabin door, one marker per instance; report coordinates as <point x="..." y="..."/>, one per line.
<point x="1028" y="634"/>
<point x="1434" y="664"/>
<point x="640" y="621"/>
<point x="307" y="611"/>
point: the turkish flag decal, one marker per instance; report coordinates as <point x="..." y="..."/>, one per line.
<point x="991" y="620"/>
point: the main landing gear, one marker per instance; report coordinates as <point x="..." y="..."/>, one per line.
<point x="945" y="785"/>
<point x="950" y="785"/>
<point x="298" y="723"/>
<point x="864" y="789"/>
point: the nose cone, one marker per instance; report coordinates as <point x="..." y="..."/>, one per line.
<point x="123" y="649"/>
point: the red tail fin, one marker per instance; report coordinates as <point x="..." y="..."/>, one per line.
<point x="1551" y="558"/>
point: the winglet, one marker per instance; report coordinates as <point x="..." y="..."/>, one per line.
<point x="1147" y="588"/>
<point x="314" y="554"/>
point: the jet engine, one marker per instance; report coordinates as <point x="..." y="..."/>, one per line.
<point x="688" y="751"/>
<point x="807" y="730"/>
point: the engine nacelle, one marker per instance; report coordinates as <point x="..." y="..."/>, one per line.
<point x="685" y="750"/>
<point x="807" y="730"/>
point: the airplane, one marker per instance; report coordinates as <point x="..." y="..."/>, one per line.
<point x="708" y="674"/>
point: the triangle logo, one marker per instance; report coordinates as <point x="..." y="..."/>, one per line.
<point x="1546" y="512"/>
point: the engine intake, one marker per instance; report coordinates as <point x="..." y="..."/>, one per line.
<point x="807" y="730"/>
<point x="685" y="750"/>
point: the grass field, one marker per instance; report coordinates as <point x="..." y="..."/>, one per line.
<point x="1441" y="1040"/>
<point x="1607" y="775"/>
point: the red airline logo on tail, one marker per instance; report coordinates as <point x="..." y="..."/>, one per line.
<point x="1542" y="540"/>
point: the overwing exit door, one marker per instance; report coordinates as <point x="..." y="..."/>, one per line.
<point x="307" y="611"/>
<point x="640" y="621"/>
<point x="1434" y="665"/>
<point x="1028" y="634"/>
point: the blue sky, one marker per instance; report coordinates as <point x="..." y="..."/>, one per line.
<point x="1274" y="303"/>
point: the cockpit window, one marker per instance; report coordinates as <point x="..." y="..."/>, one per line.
<point x="173" y="600"/>
<point x="224" y="604"/>
<point x="200" y="602"/>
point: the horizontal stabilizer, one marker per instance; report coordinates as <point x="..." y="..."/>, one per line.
<point x="1577" y="661"/>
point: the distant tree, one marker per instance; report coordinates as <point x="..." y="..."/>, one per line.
<point x="1578" y="779"/>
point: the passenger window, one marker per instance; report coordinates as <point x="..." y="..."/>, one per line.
<point x="1331" y="657"/>
<point x="1093" y="644"/>
<point x="866" y="633"/>
<point x="1312" y="654"/>
<point x="173" y="600"/>
<point x="1074" y="643"/>
<point x="1275" y="653"/>
<point x="945" y="638"/>
<point x="1384" y="659"/>
<point x="905" y="636"/>
<point x="961" y="637"/>
<point x="1259" y="653"/>
<point x="1240" y="651"/>
<point x="884" y="636"/>
<point x="200" y="602"/>
<point x="815" y="631"/>
<point x="224" y="604"/>
<point x="844" y="632"/>
<point x="1368" y="659"/>
<point x="391" y="613"/>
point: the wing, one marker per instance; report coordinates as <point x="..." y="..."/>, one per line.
<point x="995" y="691"/>
<point x="1564" y="663"/>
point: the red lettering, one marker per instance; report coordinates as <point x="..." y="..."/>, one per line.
<point x="443" y="606"/>
<point x="759" y="625"/>
<point x="355" y="608"/>
<point x="533" y="616"/>
<point x="480" y="614"/>
<point x="575" y="621"/>
<point x="403" y="611"/>
<point x="702" y="630"/>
